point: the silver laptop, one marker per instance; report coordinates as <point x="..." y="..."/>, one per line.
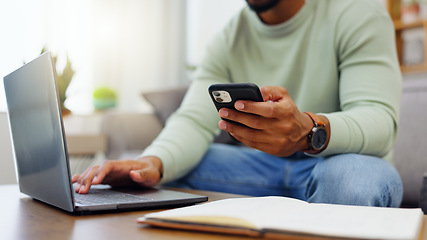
<point x="40" y="150"/>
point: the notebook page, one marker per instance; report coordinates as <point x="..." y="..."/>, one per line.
<point x="352" y="221"/>
<point x="254" y="211"/>
<point x="291" y="215"/>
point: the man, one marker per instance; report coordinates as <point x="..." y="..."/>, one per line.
<point x="335" y="58"/>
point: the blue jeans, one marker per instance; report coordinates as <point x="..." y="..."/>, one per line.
<point x="351" y="179"/>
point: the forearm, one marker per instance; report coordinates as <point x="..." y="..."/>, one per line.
<point x="187" y="134"/>
<point x="369" y="130"/>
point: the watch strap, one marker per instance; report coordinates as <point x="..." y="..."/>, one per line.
<point x="317" y="123"/>
<point x="316" y="120"/>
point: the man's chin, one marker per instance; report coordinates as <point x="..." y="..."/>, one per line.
<point x="263" y="6"/>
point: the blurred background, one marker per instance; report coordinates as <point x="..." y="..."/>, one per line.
<point x="129" y="46"/>
<point x="134" y="46"/>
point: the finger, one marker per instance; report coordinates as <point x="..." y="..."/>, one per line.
<point x="273" y="93"/>
<point x="75" y="177"/>
<point x="249" y="134"/>
<point x="265" y="147"/>
<point x="250" y="120"/>
<point x="251" y="144"/>
<point x="80" y="179"/>
<point x="86" y="180"/>
<point x="276" y="102"/>
<point x="269" y="109"/>
<point x="101" y="173"/>
<point x="98" y="176"/>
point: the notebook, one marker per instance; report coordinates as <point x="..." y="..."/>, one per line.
<point x="40" y="149"/>
<point x="282" y="218"/>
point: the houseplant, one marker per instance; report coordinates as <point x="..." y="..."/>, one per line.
<point x="63" y="79"/>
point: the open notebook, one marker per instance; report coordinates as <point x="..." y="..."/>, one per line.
<point x="275" y="216"/>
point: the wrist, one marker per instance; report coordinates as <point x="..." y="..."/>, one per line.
<point x="155" y="162"/>
<point x="307" y="126"/>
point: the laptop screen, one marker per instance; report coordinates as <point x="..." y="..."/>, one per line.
<point x="37" y="133"/>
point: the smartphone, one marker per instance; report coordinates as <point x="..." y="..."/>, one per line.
<point x="225" y="95"/>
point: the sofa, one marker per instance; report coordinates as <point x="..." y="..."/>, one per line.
<point x="129" y="133"/>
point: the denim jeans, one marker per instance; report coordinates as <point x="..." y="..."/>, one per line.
<point x="351" y="179"/>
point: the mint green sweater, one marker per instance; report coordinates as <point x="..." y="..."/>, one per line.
<point x="335" y="57"/>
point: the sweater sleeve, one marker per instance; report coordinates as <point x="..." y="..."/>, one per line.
<point x="369" y="86"/>
<point x="191" y="129"/>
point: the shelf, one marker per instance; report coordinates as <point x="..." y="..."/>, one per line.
<point x="399" y="25"/>
<point x="414" y="68"/>
<point x="393" y="7"/>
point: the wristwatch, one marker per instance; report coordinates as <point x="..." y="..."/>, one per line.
<point x="318" y="136"/>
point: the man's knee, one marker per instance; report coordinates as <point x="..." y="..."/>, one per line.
<point x="355" y="180"/>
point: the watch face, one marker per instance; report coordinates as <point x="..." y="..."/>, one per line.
<point x="319" y="138"/>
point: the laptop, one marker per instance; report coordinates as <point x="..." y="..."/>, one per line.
<point x="40" y="149"/>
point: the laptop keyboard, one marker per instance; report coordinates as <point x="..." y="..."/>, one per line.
<point x="104" y="196"/>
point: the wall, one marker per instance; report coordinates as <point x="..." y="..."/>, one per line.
<point x="204" y="19"/>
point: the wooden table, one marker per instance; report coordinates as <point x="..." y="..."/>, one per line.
<point x="24" y="218"/>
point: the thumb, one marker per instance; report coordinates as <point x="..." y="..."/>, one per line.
<point x="147" y="177"/>
<point x="273" y="93"/>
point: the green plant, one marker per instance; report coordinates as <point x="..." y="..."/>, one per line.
<point x="63" y="79"/>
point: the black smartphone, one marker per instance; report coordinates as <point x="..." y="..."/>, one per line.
<point x="225" y="95"/>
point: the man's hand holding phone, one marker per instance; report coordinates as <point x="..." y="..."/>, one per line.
<point x="274" y="126"/>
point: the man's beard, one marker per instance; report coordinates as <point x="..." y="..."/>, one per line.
<point x="263" y="7"/>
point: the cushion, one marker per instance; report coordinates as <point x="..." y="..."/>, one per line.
<point x="167" y="101"/>
<point x="410" y="157"/>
